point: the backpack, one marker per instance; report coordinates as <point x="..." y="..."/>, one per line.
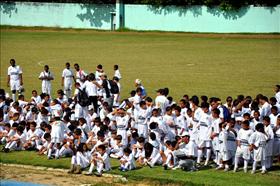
<point x="114" y="87"/>
<point x="83" y="98"/>
<point x="226" y="113"/>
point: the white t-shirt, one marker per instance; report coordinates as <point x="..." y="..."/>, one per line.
<point x="117" y="74"/>
<point x="14" y="73"/>
<point x="68" y="75"/>
<point x="91" y="89"/>
<point x="161" y="102"/>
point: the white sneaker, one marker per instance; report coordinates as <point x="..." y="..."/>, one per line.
<point x="253" y="172"/>
<point x="176" y="167"/>
<point x="235" y="169"/>
<point x="219" y="168"/>
<point x="245" y="170"/>
<point x="206" y="163"/>
<point x="263" y="172"/>
<point x="226" y="169"/>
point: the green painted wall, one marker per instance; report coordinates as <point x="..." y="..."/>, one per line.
<point x="142" y="17"/>
<point x="57" y="15"/>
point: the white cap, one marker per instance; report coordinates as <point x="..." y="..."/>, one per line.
<point x="138" y="81"/>
<point x="7" y="95"/>
<point x="185" y="133"/>
<point x="90" y="107"/>
<point x="57" y="113"/>
<point x="238" y="119"/>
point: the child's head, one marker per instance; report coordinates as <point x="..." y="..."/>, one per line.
<point x="118" y="138"/>
<point x="229" y="100"/>
<point x="274" y="110"/>
<point x="277" y="88"/>
<point x="67" y="65"/>
<point x="168" y="143"/>
<point x="259" y="127"/>
<point x="20" y="130"/>
<point x="173" y="145"/>
<point x="14" y="126"/>
<point x="97" y="121"/>
<point x="143" y="104"/>
<point x="194" y="100"/>
<point x="77" y="133"/>
<point x="153" y="136"/>
<point x="141" y="140"/>
<point x="245" y="124"/>
<point x="153" y="125"/>
<point x="113" y="134"/>
<point x="183" y="103"/>
<point x="116" y="67"/>
<point x="127" y="151"/>
<point x="168" y="110"/>
<point x="47" y="136"/>
<point x="33" y="126"/>
<point x="100" y="135"/>
<point x="216" y="113"/>
<point x="246" y="116"/>
<point x="205" y="107"/>
<point x="82" y="121"/>
<point x="189" y="112"/>
<point x="101" y="149"/>
<point x="48" y="128"/>
<point x="256" y="114"/>
<point x="139" y="91"/>
<point x="266" y="120"/>
<point x="177" y="110"/>
<point x="7" y="126"/>
<point x="155" y="112"/>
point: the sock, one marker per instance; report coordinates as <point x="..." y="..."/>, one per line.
<point x="199" y="154"/>
<point x="254" y="166"/>
<point x="236" y="162"/>
<point x="14" y="97"/>
<point x="91" y="168"/>
<point x="263" y="165"/>
<point x="208" y="155"/>
<point x="245" y="164"/>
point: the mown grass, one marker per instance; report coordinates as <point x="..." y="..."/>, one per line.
<point x="187" y="64"/>
<point x="157" y="174"/>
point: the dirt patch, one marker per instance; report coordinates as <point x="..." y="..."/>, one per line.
<point x="53" y="177"/>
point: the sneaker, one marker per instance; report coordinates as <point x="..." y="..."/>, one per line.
<point x="98" y="174"/>
<point x="245" y="170"/>
<point x="206" y="163"/>
<point x="253" y="172"/>
<point x="124" y="170"/>
<point x="219" y="168"/>
<point x="176" y="167"/>
<point x="235" y="169"/>
<point x="88" y="173"/>
<point x="149" y="164"/>
<point x="49" y="157"/>
<point x="226" y="169"/>
<point x="165" y="167"/>
<point x="57" y="157"/>
<point x="263" y="172"/>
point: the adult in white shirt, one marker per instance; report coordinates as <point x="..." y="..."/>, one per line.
<point x="91" y="87"/>
<point x="14" y="78"/>
<point x="46" y="76"/>
<point x="80" y="74"/>
<point x="161" y="101"/>
<point x="117" y="72"/>
<point x="277" y="93"/>
<point x="66" y="81"/>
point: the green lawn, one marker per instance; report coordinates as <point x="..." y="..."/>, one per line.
<point x="202" y="177"/>
<point x="216" y="65"/>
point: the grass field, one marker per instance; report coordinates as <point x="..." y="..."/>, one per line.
<point x="202" y="177"/>
<point x="202" y="64"/>
<point x="213" y="65"/>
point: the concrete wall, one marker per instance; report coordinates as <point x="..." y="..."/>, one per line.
<point x="57" y="15"/>
<point x="203" y="19"/>
<point x="142" y="17"/>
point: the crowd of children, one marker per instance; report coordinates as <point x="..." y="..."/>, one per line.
<point x="95" y="126"/>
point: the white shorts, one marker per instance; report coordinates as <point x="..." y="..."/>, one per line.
<point x="204" y="143"/>
<point x="244" y="152"/>
<point x="15" y="85"/>
<point x="259" y="154"/>
<point x="276" y="147"/>
<point x="227" y="155"/>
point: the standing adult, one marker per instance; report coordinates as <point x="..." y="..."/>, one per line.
<point x="46" y="76"/>
<point x="66" y="81"/>
<point x="15" y="79"/>
<point x="80" y="74"/>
